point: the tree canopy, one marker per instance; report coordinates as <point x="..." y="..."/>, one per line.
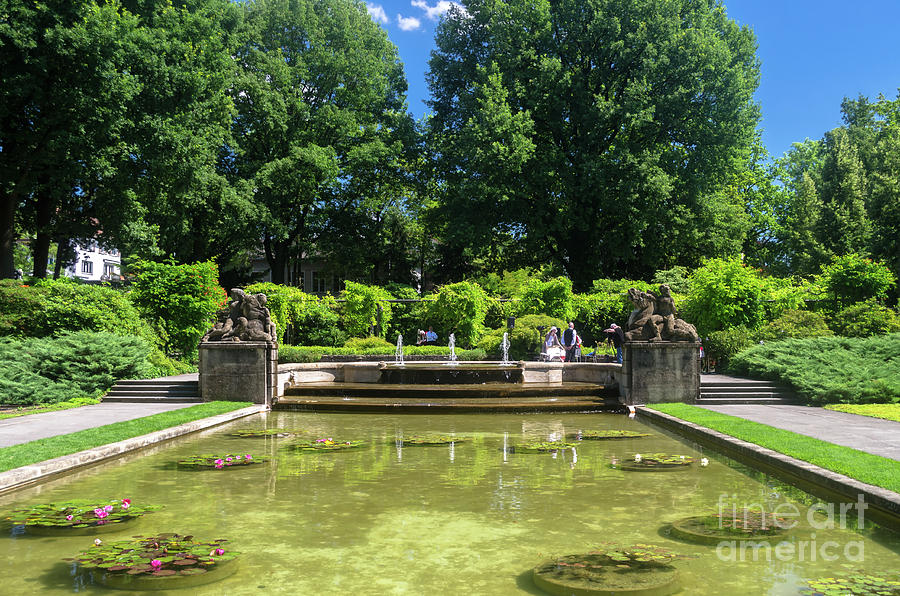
<point x="599" y="135"/>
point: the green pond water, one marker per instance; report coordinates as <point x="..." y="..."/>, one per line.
<point x="463" y="519"/>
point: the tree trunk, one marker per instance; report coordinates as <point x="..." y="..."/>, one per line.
<point x="276" y="256"/>
<point x="7" y="235"/>
<point x="40" y="250"/>
<point x="62" y="249"/>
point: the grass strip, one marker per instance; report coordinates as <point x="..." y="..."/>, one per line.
<point x="865" y="467"/>
<point x="62" y="405"/>
<point x="886" y="411"/>
<point x="33" y="452"/>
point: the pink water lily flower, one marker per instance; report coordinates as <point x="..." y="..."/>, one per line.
<point x="125" y="506"/>
<point x="217" y="552"/>
<point x="126" y="502"/>
<point x="101" y="514"/>
<point x="248" y="457"/>
<point x="68" y="518"/>
<point x="156" y="563"/>
<point x="229" y="459"/>
<point x="108" y="508"/>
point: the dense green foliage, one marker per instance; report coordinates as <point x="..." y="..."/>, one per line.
<point x="851" y="278"/>
<point x="552" y="297"/>
<point x="525" y="338"/>
<point x="829" y="369"/>
<point x="51" y="307"/>
<point x="301" y="318"/>
<point x="864" y="319"/>
<point x="287" y="354"/>
<point x="723" y="344"/>
<point x="49" y="448"/>
<point x="794" y="323"/>
<point x="865" y="467"/>
<point x="365" y="309"/>
<point x="181" y="300"/>
<point x="72" y="365"/>
<point x="460" y="309"/>
<point x="565" y="132"/>
<point x="725" y="294"/>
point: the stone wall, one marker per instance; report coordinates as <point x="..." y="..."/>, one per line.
<point x="659" y="372"/>
<point x="238" y="371"/>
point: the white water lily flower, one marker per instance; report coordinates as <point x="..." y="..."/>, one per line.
<point x="97" y="541"/>
<point x="637" y="457"/>
<point x="704" y="462"/>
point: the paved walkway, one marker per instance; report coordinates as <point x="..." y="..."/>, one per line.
<point x="22" y="429"/>
<point x="872" y="435"/>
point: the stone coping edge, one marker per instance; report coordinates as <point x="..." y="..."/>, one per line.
<point x="20" y="477"/>
<point x="884" y="503"/>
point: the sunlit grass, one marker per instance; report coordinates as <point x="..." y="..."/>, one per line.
<point x="43" y="449"/>
<point x="865" y="467"/>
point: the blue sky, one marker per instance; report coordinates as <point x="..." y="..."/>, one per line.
<point x="813" y="53"/>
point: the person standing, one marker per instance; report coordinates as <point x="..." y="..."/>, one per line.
<point x="617" y="336"/>
<point x="570" y="341"/>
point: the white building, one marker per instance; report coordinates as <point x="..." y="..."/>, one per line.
<point x="93" y="263"/>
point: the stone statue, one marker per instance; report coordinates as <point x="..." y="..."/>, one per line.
<point x="654" y="318"/>
<point x="246" y="318"/>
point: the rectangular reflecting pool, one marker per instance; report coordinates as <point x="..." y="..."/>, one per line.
<point x="470" y="517"/>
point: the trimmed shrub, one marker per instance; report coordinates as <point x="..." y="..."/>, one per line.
<point x="360" y="312"/>
<point x="315" y="353"/>
<point x="80" y="364"/>
<point x="180" y="300"/>
<point x="864" y="319"/>
<point x="794" y="323"/>
<point x="459" y="308"/>
<point x="370" y="343"/>
<point x="829" y="369"/>
<point x="852" y="278"/>
<point x="301" y="318"/>
<point x="723" y="345"/>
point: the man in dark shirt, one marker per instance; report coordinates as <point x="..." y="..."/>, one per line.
<point x="617" y="336"/>
<point x="570" y="341"/>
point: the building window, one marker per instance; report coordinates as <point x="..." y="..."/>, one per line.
<point x="87" y="266"/>
<point x="109" y="269"/>
<point x="320" y="283"/>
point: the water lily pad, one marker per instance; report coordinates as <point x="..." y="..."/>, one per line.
<point x="599" y="435"/>
<point x="226" y="461"/>
<point x="78" y="517"/>
<point x="326" y="445"/>
<point x="540" y="447"/>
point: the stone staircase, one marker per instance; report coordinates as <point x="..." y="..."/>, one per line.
<point x="156" y="391"/>
<point x="725" y="390"/>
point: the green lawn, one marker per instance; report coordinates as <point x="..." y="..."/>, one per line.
<point x="865" y="467"/>
<point x="44" y="449"/>
<point x="886" y="411"/>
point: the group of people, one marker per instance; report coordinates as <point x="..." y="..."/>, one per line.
<point x="426" y="338"/>
<point x="567" y="347"/>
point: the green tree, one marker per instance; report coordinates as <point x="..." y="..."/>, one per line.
<point x="64" y="87"/>
<point x="180" y="300"/>
<point x="598" y="136"/>
<point x="844" y="225"/>
<point x="320" y="102"/>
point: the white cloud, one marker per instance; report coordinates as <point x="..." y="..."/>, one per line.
<point x="434" y="12"/>
<point x="408" y="23"/>
<point x="376" y="11"/>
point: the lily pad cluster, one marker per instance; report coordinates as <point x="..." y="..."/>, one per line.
<point x="747" y="521"/>
<point x="541" y="446"/>
<point x="656" y="461"/>
<point x="78" y="514"/>
<point x="158" y="556"/>
<point x="263" y="432"/>
<point x="599" y="435"/>
<point x="328" y="444"/>
<point x="431" y="440"/>
<point x="853" y="585"/>
<point x="220" y="462"/>
<point x="636" y="569"/>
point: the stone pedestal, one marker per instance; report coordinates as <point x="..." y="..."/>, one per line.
<point x="659" y="372"/>
<point x="238" y="371"/>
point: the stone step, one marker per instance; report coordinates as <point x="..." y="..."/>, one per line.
<point x="156" y="383"/>
<point x="152" y="399"/>
<point x="497" y="391"/>
<point x="305" y="403"/>
<point x="745" y="394"/>
<point x="741" y="399"/>
<point x="170" y="393"/>
<point x="745" y="388"/>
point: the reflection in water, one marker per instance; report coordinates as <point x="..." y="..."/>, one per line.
<point x="466" y="517"/>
